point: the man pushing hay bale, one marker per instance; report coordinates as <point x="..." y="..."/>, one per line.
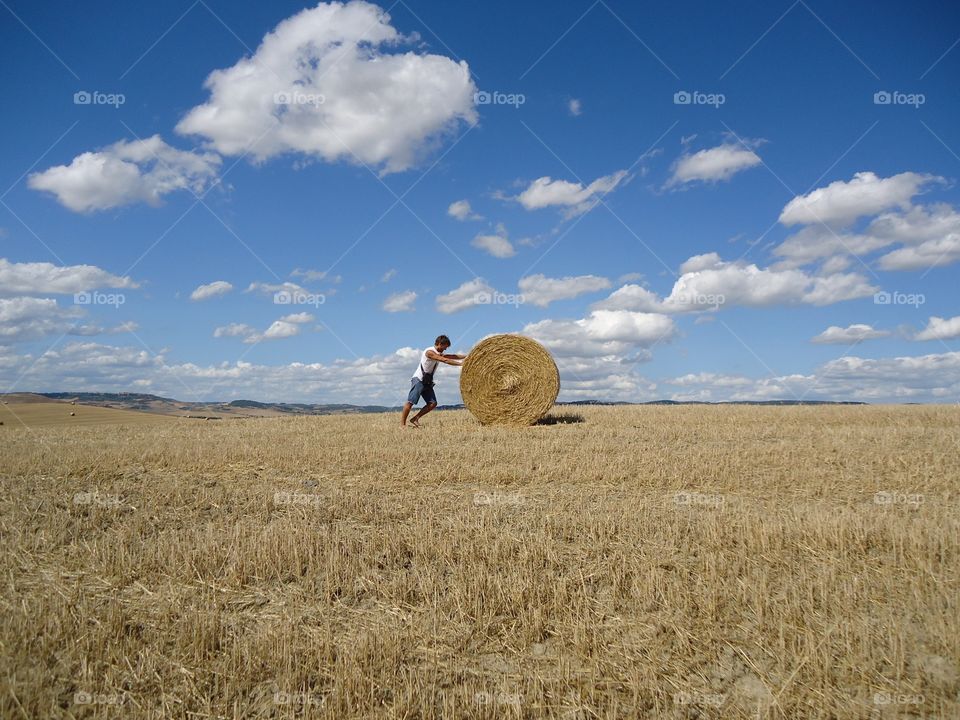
<point x="509" y="380"/>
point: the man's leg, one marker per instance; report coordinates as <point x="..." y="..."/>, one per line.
<point x="406" y="411"/>
<point x="423" y="411"/>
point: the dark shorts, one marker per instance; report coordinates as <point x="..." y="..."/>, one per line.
<point x="417" y="390"/>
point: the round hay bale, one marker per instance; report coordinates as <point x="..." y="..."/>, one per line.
<point x="509" y="380"/>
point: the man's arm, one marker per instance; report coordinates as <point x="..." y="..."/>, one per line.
<point x="446" y="359"/>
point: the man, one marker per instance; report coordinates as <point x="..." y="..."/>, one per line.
<point x="421" y="384"/>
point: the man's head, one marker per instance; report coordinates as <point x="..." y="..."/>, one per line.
<point x="441" y="343"/>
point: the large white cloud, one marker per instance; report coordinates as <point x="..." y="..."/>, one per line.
<point x="710" y="283"/>
<point x="842" y="202"/>
<point x="41" y="278"/>
<point x="602" y="333"/>
<point x="540" y="290"/>
<point x="573" y="197"/>
<point x="328" y="83"/>
<point x="29" y="318"/>
<point x="713" y="165"/>
<point x="925" y="378"/>
<point x="127" y="172"/>
<point x="940" y="329"/>
<point x="856" y="333"/>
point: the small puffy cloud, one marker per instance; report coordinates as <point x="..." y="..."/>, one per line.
<point x="329" y="83"/>
<point x="574" y="198"/>
<point x="389" y="275"/>
<point x="713" y="165"/>
<point x="473" y="292"/>
<point x="214" y="289"/>
<point x="835" y="335"/>
<point x="273" y="288"/>
<point x="315" y="275"/>
<point x="940" y="329"/>
<point x="127" y="172"/>
<point x="462" y="211"/>
<point x="286" y="326"/>
<point x="842" y="202"/>
<point x="574" y="107"/>
<point x="40" y="278"/>
<point x="540" y="290"/>
<point x="234" y="330"/>
<point x="498" y="244"/>
<point x="400" y="301"/>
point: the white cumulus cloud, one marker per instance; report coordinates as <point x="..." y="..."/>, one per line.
<point x="540" y="290"/>
<point x="127" y="172"/>
<point x="497" y="244"/>
<point x="473" y="292"/>
<point x="39" y="278"/>
<point x="856" y="333"/>
<point x="573" y="197"/>
<point x="400" y="301"/>
<point x="940" y="329"/>
<point x="713" y="165"/>
<point x="213" y="289"/>
<point x="330" y="83"/>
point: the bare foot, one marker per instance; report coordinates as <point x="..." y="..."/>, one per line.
<point x="415" y="423"/>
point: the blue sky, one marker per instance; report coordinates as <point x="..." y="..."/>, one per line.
<point x="688" y="201"/>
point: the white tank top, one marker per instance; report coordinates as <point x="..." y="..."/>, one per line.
<point x="426" y="364"/>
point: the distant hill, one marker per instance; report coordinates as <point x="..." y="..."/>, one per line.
<point x="144" y="402"/>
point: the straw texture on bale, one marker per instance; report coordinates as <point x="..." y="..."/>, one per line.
<point x="509" y="380"/>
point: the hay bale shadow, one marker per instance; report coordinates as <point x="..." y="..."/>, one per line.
<point x="561" y="419"/>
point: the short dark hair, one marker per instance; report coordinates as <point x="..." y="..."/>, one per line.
<point x="442" y="340"/>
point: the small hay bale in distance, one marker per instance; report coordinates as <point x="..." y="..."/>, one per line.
<point x="509" y="380"/>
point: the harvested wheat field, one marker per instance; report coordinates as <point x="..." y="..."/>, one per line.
<point x="678" y="562"/>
